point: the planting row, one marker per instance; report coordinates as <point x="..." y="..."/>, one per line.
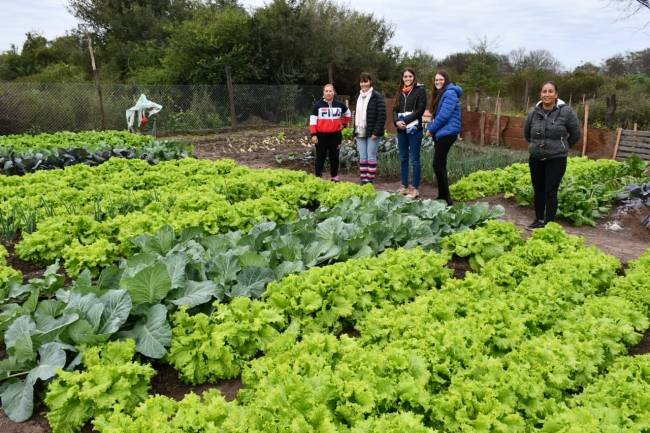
<point x="333" y="298"/>
<point x="86" y="215"/>
<point x="538" y="336"/>
<point x="586" y="193"/>
<point x="20" y="154"/>
<point x="90" y="140"/>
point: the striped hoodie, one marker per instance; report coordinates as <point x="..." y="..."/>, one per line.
<point x="328" y="117"/>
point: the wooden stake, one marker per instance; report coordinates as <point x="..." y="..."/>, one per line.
<point x="482" y="126"/>
<point x="619" y="131"/>
<point x="98" y="87"/>
<point x="585" y="129"/>
<point x="526" y="91"/>
<point x="635" y="126"/>
<point x="498" y="119"/>
<point x="231" y="96"/>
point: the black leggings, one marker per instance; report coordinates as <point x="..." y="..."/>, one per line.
<point x="546" y="176"/>
<point x="328" y="144"/>
<point x="441" y="149"/>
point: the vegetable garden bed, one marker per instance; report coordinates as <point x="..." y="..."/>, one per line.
<point x="556" y="324"/>
<point x="20" y="154"/>
<point x="371" y="312"/>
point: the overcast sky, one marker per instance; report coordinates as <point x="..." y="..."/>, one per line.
<point x="573" y="31"/>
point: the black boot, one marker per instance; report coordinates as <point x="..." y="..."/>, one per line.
<point x="537" y="224"/>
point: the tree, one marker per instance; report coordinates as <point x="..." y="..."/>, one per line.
<point x="201" y="47"/>
<point x="587" y="68"/>
<point x="482" y="74"/>
<point x="129" y="35"/>
<point x="425" y="65"/>
<point x="616" y="65"/>
<point x="301" y="41"/>
<point x="535" y="60"/>
<point x="457" y="63"/>
<point x="38" y="54"/>
<point x="634" y="6"/>
<point x="640" y="62"/>
<point x="584" y="80"/>
<point x="133" y="20"/>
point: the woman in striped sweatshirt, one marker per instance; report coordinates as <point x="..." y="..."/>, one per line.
<point x="328" y="118"/>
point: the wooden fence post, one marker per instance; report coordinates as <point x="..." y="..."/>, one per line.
<point x="98" y="87"/>
<point x="526" y="97"/>
<point x="585" y="129"/>
<point x="231" y="96"/>
<point x="619" y="131"/>
<point x="482" y="127"/>
<point x="498" y="107"/>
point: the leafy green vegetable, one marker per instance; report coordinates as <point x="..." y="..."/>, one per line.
<point x="20" y="154"/>
<point x="586" y="192"/>
<point x="110" y="381"/>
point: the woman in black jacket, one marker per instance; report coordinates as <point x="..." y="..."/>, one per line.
<point x="408" y="108"/>
<point x="369" y="121"/>
<point x="550" y="128"/>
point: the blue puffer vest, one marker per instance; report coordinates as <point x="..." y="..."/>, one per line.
<point x="447" y="118"/>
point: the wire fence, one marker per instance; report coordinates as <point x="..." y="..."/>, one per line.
<point x="628" y="111"/>
<point x="51" y="107"/>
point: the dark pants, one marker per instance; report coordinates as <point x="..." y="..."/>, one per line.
<point x="546" y="176"/>
<point x="328" y="144"/>
<point x="440" y="152"/>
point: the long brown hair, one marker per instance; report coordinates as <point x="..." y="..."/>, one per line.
<point x="398" y="95"/>
<point x="436" y="94"/>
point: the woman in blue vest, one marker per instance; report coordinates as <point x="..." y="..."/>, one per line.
<point x="444" y="127"/>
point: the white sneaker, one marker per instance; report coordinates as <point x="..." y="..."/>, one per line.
<point x="413" y="193"/>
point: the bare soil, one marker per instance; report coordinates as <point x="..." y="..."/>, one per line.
<point x="254" y="148"/>
<point x="29" y="270"/>
<point x="258" y="149"/>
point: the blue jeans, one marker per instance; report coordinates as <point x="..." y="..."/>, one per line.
<point x="409" y="148"/>
<point x="367" y="147"/>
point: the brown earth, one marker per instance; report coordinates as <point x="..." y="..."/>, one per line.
<point x="258" y="149"/>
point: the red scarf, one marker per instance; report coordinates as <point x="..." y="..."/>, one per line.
<point x="407" y="89"/>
